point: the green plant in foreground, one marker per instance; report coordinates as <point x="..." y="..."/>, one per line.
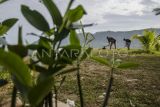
<point x="5" y="26"/>
<point x="113" y="64"/>
<point x="22" y="52"/>
<point x="51" y="57"/>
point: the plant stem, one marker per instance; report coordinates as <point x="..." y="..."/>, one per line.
<point x="14" y="92"/>
<point x="46" y="101"/>
<point x="56" y="96"/>
<point x="50" y="101"/>
<point x="108" y="90"/>
<point x="69" y="6"/>
<point x="79" y="85"/>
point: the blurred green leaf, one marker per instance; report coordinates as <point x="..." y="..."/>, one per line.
<point x="20" y="50"/>
<point x="70" y="47"/>
<point x="16" y="66"/>
<point x="86" y="53"/>
<point x="115" y="62"/>
<point x="76" y="14"/>
<point x="2" y="1"/>
<point x="39" y="91"/>
<point x="100" y="60"/>
<point x="32" y="47"/>
<point x="128" y="65"/>
<point x="62" y="35"/>
<point x="50" y="32"/>
<point x="45" y="42"/>
<point x="35" y="18"/>
<point x="45" y="54"/>
<point x="7" y="25"/>
<point x="54" y="11"/>
<point x="80" y="26"/>
<point x="89" y="37"/>
<point x="74" y="40"/>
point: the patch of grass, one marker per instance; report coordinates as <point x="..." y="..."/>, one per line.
<point x="137" y="86"/>
<point x="4" y="75"/>
<point x="5" y="92"/>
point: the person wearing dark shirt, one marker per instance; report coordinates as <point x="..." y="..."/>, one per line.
<point x="111" y="42"/>
<point x="127" y="43"/>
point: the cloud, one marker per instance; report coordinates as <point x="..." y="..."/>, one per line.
<point x="156" y="1"/>
<point x="108" y="14"/>
<point x="97" y="9"/>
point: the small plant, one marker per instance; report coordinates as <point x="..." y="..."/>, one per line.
<point x="74" y="40"/>
<point x="113" y="64"/>
<point x="149" y="40"/>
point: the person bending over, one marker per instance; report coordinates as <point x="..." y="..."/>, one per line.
<point x="127" y="43"/>
<point x="111" y="42"/>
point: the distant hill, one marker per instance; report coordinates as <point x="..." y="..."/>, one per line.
<point x="100" y="37"/>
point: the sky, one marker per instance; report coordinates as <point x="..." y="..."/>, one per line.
<point x="112" y="15"/>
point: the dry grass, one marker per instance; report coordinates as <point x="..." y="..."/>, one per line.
<point x="138" y="87"/>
